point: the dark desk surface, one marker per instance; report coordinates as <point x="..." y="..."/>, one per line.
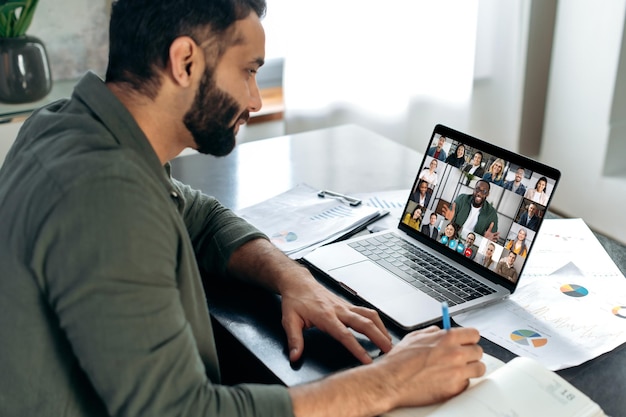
<point x="346" y="159"/>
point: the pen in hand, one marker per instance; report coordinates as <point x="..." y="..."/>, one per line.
<point x="445" y="315"/>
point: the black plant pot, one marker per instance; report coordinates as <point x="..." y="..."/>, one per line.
<point x="24" y="70"/>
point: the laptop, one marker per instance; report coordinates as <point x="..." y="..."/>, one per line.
<point x="466" y="232"/>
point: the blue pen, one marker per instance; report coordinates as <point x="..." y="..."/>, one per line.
<point x="445" y="315"/>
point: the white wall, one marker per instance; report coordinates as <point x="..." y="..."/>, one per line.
<point x="8" y="132"/>
<point x="496" y="105"/>
<point x="585" y="110"/>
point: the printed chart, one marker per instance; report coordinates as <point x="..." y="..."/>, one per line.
<point x="528" y="338"/>
<point x="283" y="237"/>
<point x="619" y="311"/>
<point x="298" y="220"/>
<point x="574" y="290"/>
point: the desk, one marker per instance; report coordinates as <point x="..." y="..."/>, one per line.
<point x="346" y="159"/>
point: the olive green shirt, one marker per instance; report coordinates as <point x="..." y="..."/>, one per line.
<point x="102" y="310"/>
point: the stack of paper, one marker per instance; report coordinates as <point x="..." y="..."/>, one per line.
<point x="297" y="221"/>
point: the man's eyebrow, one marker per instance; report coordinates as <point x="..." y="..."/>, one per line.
<point x="258" y="61"/>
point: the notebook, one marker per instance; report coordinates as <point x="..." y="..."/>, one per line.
<point x="465" y="235"/>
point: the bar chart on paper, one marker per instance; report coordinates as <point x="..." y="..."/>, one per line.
<point x="391" y="201"/>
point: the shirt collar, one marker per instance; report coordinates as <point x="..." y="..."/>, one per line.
<point x="92" y="91"/>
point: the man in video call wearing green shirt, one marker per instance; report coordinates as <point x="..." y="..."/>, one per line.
<point x="103" y="309"/>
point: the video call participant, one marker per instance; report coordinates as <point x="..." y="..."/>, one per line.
<point x="486" y="259"/>
<point x="474" y="167"/>
<point x="529" y="218"/>
<point x="506" y="267"/>
<point x="450" y="235"/>
<point x="518" y="245"/>
<point x="429" y="175"/>
<point x="457" y="158"/>
<point x="438" y="152"/>
<point x="538" y="194"/>
<point x="430" y="229"/>
<point x="421" y="194"/>
<point x="474" y="213"/>
<point x="470" y="249"/>
<point x="496" y="172"/>
<point x="516" y="185"/>
<point x="414" y="219"/>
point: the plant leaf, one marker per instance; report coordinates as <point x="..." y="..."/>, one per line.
<point x="16" y="16"/>
<point x="26" y="17"/>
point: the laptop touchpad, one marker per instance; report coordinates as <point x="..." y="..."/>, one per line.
<point x="394" y="297"/>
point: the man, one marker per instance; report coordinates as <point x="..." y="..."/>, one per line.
<point x="516" y="185"/>
<point x="438" y="152"/>
<point x="506" y="269"/>
<point x="474" y="213"/>
<point x="486" y="259"/>
<point x="529" y="218"/>
<point x="103" y="307"/>
<point x="430" y="229"/>
<point x="474" y="167"/>
<point x="470" y="251"/>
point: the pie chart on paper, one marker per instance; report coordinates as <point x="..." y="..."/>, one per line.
<point x="574" y="290"/>
<point x="528" y="338"/>
<point x="620" y="311"/>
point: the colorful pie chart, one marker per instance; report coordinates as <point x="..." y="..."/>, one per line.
<point x="528" y="338"/>
<point x="620" y="311"/>
<point x="574" y="290"/>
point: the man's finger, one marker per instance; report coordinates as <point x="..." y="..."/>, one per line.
<point x="295" y="340"/>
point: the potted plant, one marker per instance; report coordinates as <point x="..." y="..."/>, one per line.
<point x="24" y="68"/>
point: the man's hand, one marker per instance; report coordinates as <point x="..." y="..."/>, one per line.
<point x="306" y="303"/>
<point x="432" y="365"/>
<point x="448" y="212"/>
<point x="426" y="367"/>
<point x="489" y="235"/>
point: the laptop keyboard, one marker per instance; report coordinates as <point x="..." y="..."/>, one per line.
<point x="421" y="269"/>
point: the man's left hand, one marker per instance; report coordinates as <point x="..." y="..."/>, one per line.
<point x="306" y="304"/>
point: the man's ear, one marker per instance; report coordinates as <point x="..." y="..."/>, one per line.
<point x="185" y="59"/>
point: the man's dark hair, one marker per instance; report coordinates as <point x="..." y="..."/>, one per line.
<point x="484" y="182"/>
<point x="142" y="31"/>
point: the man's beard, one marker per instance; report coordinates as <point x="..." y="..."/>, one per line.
<point x="210" y="117"/>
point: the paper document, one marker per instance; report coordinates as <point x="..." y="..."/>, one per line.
<point x="298" y="220"/>
<point x="393" y="201"/>
<point x="520" y="388"/>
<point x="570" y="305"/>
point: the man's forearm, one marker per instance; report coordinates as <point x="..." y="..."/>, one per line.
<point x="260" y="262"/>
<point x="358" y="392"/>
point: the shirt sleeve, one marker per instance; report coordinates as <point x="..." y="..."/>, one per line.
<point x="107" y="259"/>
<point x="215" y="231"/>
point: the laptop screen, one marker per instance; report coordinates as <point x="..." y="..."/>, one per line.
<point x="481" y="202"/>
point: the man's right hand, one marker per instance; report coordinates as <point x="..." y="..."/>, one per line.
<point x="431" y="365"/>
<point x="426" y="367"/>
<point x="448" y="211"/>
